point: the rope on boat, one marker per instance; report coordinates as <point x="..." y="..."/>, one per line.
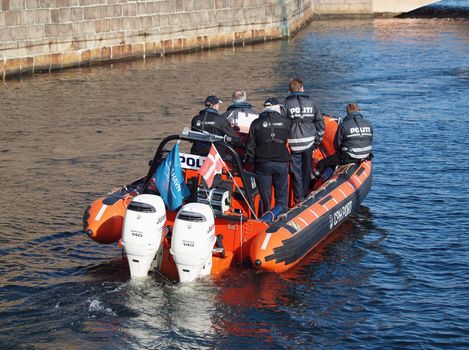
<point x="240" y="191"/>
<point x="241" y="238"/>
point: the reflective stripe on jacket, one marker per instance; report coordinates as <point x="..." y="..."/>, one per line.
<point x="355" y="137"/>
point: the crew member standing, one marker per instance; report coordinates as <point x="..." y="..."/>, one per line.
<point x="240" y="105"/>
<point x="307" y="131"/>
<point x="353" y="141"/>
<point x="210" y="121"/>
<point x="266" y="148"/>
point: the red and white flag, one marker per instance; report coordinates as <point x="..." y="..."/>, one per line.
<point x="212" y="166"/>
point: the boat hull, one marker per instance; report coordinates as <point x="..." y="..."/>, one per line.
<point x="287" y="241"/>
<point x="103" y="219"/>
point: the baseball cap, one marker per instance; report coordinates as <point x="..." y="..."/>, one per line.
<point x="271" y="102"/>
<point x="212" y="100"/>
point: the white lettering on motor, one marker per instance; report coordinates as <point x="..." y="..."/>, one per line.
<point x="338" y="216"/>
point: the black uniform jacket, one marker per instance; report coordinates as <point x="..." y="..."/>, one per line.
<point x="267" y="138"/>
<point x="354" y="137"/>
<point x="210" y="121"/>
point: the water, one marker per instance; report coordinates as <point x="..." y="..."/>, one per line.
<point x="394" y="276"/>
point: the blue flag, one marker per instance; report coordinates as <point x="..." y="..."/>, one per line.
<point x="170" y="181"/>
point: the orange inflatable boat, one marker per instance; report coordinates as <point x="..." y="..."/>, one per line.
<point x="220" y="227"/>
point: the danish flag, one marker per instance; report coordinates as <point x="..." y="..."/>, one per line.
<point x="212" y="166"/>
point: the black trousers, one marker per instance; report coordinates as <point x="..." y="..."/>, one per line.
<point x="276" y="173"/>
<point x="301" y="167"/>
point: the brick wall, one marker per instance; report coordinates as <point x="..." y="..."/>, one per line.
<point x="44" y="35"/>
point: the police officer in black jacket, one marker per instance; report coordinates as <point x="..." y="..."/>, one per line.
<point x="307" y="131"/>
<point x="353" y="141"/>
<point x="266" y="148"/>
<point x="210" y="121"/>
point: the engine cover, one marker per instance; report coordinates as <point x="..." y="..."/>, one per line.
<point x="193" y="240"/>
<point x="144" y="221"/>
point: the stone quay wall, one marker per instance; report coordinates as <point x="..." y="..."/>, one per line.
<point x="45" y="35"/>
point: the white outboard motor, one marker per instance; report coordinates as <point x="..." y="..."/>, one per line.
<point x="193" y="240"/>
<point x="144" y="221"/>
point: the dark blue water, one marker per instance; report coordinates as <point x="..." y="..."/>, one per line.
<point x="393" y="276"/>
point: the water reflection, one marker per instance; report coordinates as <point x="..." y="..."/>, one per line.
<point x="169" y="315"/>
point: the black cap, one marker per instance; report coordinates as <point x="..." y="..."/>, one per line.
<point x="271" y="102"/>
<point x="212" y="100"/>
